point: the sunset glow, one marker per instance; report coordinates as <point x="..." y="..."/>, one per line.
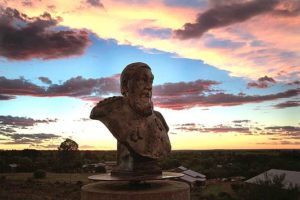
<point x="221" y="81"/>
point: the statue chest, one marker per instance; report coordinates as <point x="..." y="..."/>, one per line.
<point x="147" y="136"/>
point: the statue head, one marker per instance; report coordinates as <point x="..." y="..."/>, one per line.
<point x="136" y="86"/>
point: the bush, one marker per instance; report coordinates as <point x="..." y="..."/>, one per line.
<point x="39" y="174"/>
<point x="100" y="169"/>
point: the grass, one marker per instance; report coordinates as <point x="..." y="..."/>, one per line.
<point x="50" y="177"/>
<point x="216" y="188"/>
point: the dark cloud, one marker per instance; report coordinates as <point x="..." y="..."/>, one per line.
<point x="252" y="129"/>
<point x="294" y="83"/>
<point x="262" y="82"/>
<point x="37" y="136"/>
<point x="79" y="86"/>
<point x="45" y="80"/>
<point x="224" y="15"/>
<point x="178" y="96"/>
<point x="19" y="86"/>
<point x="228" y="129"/>
<point x="22" y="121"/>
<point x="219" y="99"/>
<point x="184" y="88"/>
<point x="74" y="87"/>
<point x="287" y="104"/>
<point x="191" y="127"/>
<point x="287" y="129"/>
<point x="266" y="79"/>
<point x="96" y="3"/>
<point x="226" y="12"/>
<point x="6" y="97"/>
<point x="24" y="38"/>
<point x="285" y="132"/>
<point x="32" y="139"/>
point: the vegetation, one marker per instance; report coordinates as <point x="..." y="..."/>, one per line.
<point x="64" y="170"/>
<point x="267" y="189"/>
<point x="229" y="163"/>
<point x="39" y="174"/>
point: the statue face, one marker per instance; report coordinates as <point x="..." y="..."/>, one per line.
<point x="140" y="91"/>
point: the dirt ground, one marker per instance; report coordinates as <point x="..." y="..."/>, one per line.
<point x="22" y="186"/>
<point x="37" y="190"/>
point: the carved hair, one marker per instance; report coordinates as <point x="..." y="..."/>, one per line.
<point x="128" y="73"/>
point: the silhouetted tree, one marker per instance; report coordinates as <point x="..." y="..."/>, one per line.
<point x="68" y="145"/>
<point x="69" y="157"/>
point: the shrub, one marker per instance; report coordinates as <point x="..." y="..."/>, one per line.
<point x="39" y="174"/>
<point x="100" y="169"/>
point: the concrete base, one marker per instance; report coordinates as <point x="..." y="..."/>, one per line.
<point x="152" y="190"/>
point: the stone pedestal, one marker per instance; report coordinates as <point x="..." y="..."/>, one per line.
<point x="151" y="190"/>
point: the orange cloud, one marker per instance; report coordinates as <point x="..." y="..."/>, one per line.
<point x="269" y="41"/>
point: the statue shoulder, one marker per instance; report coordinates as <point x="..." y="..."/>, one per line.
<point x="105" y="106"/>
<point x="162" y="119"/>
<point x="110" y="100"/>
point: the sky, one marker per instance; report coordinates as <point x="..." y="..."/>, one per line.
<point x="227" y="72"/>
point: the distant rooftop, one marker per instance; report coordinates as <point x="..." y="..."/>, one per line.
<point x="194" y="174"/>
<point x="291" y="177"/>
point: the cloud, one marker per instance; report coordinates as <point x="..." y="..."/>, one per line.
<point x="25" y="38"/>
<point x="186" y="3"/>
<point x="219" y="99"/>
<point x="153" y="32"/>
<point x="262" y="82"/>
<point x="6" y="97"/>
<point x="32" y="139"/>
<point x="74" y="87"/>
<point x="283" y="142"/>
<point x="19" y="86"/>
<point x="294" y="83"/>
<point x="178" y="96"/>
<point x="96" y="3"/>
<point x="45" y="80"/>
<point x="287" y="104"/>
<point x="27" y="3"/>
<point x="211" y="41"/>
<point x="228" y="129"/>
<point x="79" y="86"/>
<point x="10" y="127"/>
<point x="192" y="127"/>
<point x="224" y="15"/>
<point x="243" y="127"/>
<point x="287" y="130"/>
<point x="22" y="121"/>
<point x="184" y="88"/>
<point x="241" y="121"/>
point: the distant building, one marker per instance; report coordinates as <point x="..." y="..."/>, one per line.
<point x="109" y="165"/>
<point x="92" y="167"/>
<point x="13" y="167"/>
<point x="191" y="177"/>
<point x="292" y="178"/>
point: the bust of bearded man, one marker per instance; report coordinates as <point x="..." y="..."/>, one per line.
<point x="141" y="132"/>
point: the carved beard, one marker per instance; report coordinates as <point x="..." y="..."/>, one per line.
<point x="141" y="105"/>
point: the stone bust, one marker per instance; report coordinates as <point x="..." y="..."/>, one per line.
<point x="141" y="132"/>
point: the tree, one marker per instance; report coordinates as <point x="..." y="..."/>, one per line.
<point x="69" y="157"/>
<point x="68" y="145"/>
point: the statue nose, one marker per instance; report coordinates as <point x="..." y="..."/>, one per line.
<point x="148" y="86"/>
